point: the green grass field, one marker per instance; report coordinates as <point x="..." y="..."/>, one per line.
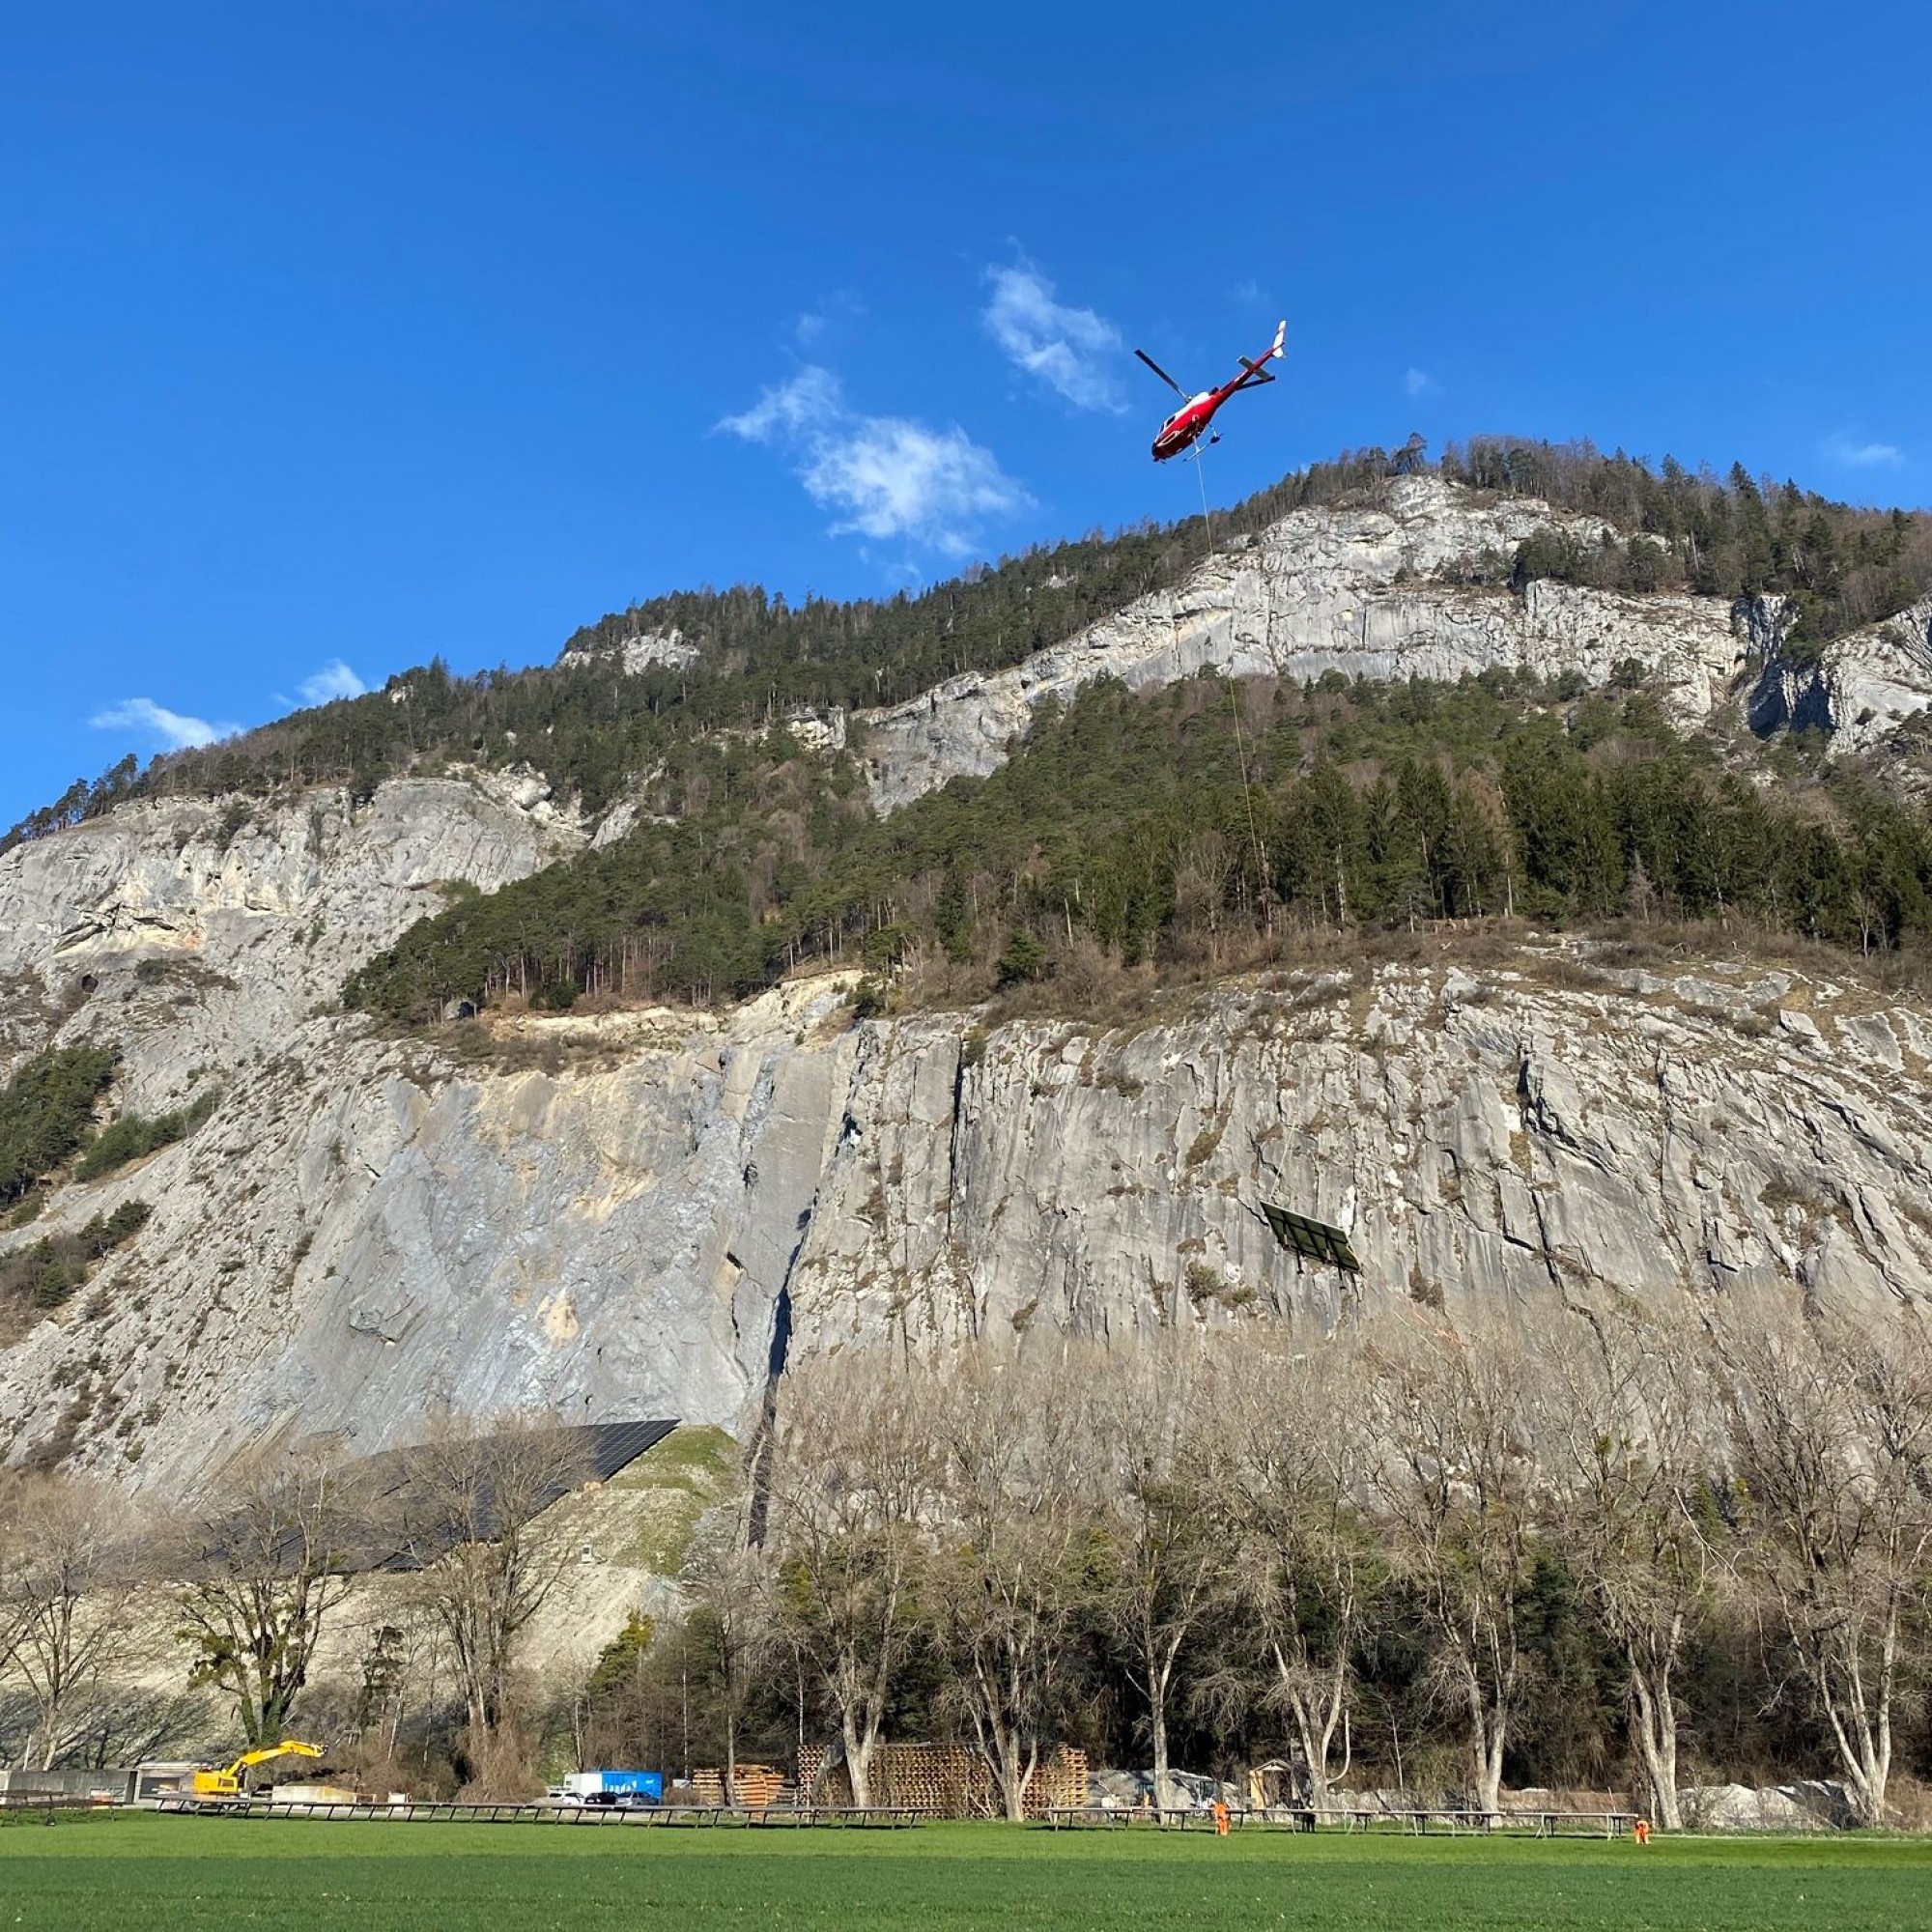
<point x="123" y="1874"/>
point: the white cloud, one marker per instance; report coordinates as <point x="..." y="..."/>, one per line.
<point x="332" y="681"/>
<point x="896" y="478"/>
<point x="1057" y="344"/>
<point x="176" y="731"/>
<point x="1419" y="381"/>
<point x="1856" y="455"/>
<point x="803" y="406"/>
<point x="887" y="477"/>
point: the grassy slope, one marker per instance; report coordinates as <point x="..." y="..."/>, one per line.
<point x="139" y="1871"/>
<point x="682" y="1477"/>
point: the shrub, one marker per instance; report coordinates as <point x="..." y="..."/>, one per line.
<point x="134" y="1135"/>
<point x="54" y="1279"/>
<point x="50" y="1272"/>
<point x="1025" y="958"/>
<point x="45" y="1112"/>
<point x="103" y="1235"/>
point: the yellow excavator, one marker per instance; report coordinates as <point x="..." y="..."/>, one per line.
<point x="227" y="1782"/>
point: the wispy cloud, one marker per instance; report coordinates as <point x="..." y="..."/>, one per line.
<point x="1061" y="346"/>
<point x="174" y="730"/>
<point x="332" y="681"/>
<point x="1419" y="381"/>
<point x="886" y="477"/>
<point x="810" y="329"/>
<point x="805" y="405"/>
<point x="1856" y="454"/>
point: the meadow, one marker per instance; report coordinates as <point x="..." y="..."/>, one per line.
<point x="125" y="1873"/>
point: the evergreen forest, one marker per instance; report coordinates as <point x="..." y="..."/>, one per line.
<point x="1185" y="825"/>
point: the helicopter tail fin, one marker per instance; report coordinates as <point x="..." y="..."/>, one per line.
<point x="1258" y="371"/>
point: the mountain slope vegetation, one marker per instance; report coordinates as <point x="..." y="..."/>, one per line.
<point x="593" y="729"/>
<point x="1158" y="825"/>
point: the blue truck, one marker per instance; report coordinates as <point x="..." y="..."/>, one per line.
<point x="626" y="1788"/>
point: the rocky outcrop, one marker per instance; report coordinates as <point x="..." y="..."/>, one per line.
<point x="1351" y="591"/>
<point x="203" y="930"/>
<point x="1485" y="1141"/>
<point x="1358" y="592"/>
<point x="650" y="1214"/>
<point x="638" y="653"/>
<point x="1858" y="689"/>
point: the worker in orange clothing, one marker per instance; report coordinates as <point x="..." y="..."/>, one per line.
<point x="1640" y="1831"/>
<point x="1220" y="1810"/>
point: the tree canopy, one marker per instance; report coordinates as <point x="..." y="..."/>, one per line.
<point x="1124" y="821"/>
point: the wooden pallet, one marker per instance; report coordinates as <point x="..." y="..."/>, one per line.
<point x="944" y="1781"/>
<point x="757" y="1787"/>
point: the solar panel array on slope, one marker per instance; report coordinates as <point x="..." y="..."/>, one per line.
<point x="402" y="1509"/>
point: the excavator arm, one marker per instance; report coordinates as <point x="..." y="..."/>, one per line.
<point x="227" y="1781"/>
<point x="288" y="1748"/>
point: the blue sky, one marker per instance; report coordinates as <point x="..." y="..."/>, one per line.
<point x="336" y="337"/>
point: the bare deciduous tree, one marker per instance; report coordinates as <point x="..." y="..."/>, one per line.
<point x="1154" y="1475"/>
<point x="1617" y="1420"/>
<point x="1307" y="1561"/>
<point x="13" y="1612"/>
<point x="851" y="1492"/>
<point x="474" y="1521"/>
<point x="1012" y="1543"/>
<point x="260" y="1569"/>
<point x="1831" y="1437"/>
<point x="71" y="1581"/>
<point x="1457" y="1479"/>
<point x="732" y="1588"/>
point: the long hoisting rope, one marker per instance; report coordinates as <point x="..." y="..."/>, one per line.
<point x="1233" y="697"/>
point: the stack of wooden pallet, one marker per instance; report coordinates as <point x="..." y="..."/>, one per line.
<point x="815" y="1786"/>
<point x="947" y="1780"/>
<point x="1060" y="1780"/>
<point x="756" y="1785"/>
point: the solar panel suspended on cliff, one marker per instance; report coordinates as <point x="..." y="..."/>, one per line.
<point x="1311" y="1239"/>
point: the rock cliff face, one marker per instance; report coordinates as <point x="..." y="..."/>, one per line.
<point x="1351" y="591"/>
<point x="645" y="1212"/>
<point x="248" y="916"/>
<point x="363" y="1232"/>
<point x="1858" y="688"/>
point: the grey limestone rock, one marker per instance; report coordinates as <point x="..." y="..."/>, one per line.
<point x="364" y="1233"/>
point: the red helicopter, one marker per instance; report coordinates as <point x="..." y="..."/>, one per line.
<point x="1184" y="426"/>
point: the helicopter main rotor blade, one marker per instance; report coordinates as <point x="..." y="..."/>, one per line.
<point x="1161" y="372"/>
